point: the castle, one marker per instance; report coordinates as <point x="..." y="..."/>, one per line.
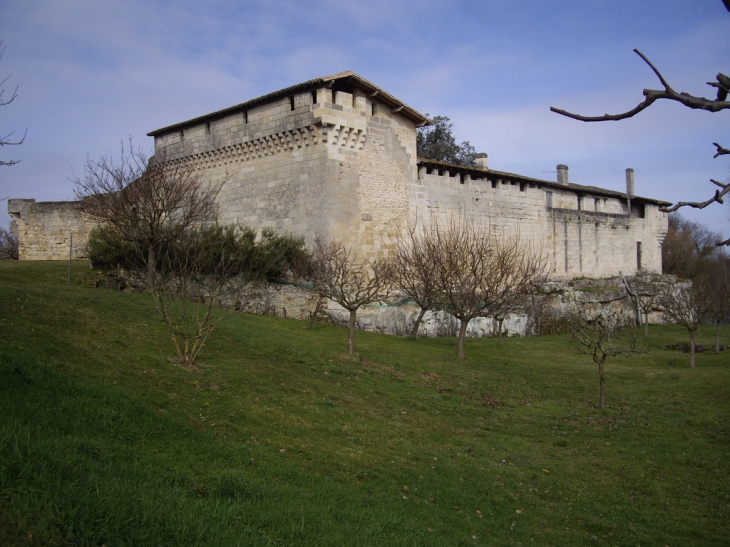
<point x="337" y="156"/>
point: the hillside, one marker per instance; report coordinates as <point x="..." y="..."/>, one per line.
<point x="279" y="438"/>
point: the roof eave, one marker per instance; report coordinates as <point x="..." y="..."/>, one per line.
<point x="309" y="85"/>
<point x="578" y="188"/>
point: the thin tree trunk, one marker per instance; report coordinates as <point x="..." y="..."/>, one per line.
<point x="500" y="322"/>
<point x="417" y="324"/>
<point x="151" y="269"/>
<point x="692" y="339"/>
<point x="717" y="338"/>
<point x="353" y="318"/>
<point x="602" y="379"/>
<point x="314" y="315"/>
<point x="460" y="340"/>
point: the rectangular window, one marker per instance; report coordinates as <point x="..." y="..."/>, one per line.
<point x="638" y="255"/>
<point x="549" y="200"/>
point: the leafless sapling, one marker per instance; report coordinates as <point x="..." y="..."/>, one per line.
<point x="350" y="281"/>
<point x="414" y="273"/>
<point x="477" y="271"/>
<point x="602" y="334"/>
<point x="158" y="208"/>
<point x="688" y="303"/>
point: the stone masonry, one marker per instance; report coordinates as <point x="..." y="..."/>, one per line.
<point x="336" y="156"/>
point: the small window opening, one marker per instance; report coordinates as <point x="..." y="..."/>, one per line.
<point x="291" y="101"/>
<point x="334" y="96"/>
<point x="580" y="203"/>
<point x="245" y="116"/>
<point x="549" y="200"/>
<point x="638" y="255"/>
<point x="494" y="183"/>
<point x="372" y="107"/>
<point x="429" y="171"/>
<point x="461" y="178"/>
<point x="182" y="135"/>
<point x="207" y="128"/>
<point x="314" y="97"/>
<point x="522" y="187"/>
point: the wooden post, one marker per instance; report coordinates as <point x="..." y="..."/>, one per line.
<point x="70" y="255"/>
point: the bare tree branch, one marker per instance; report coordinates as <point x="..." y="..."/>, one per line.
<point x="720" y="150"/>
<point x="719" y="194"/>
<point x="690" y="101"/>
<point x="652" y="95"/>
<point x="6" y="140"/>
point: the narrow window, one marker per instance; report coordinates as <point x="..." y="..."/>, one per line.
<point x="291" y="101"/>
<point x="245" y="116"/>
<point x="207" y="128"/>
<point x="314" y="97"/>
<point x="494" y="183"/>
<point x="461" y="178"/>
<point x="638" y="255"/>
<point x="182" y="135"/>
<point x="580" y="202"/>
<point x="522" y="187"/>
<point x="373" y="109"/>
<point x="549" y="200"/>
<point x="334" y="96"/>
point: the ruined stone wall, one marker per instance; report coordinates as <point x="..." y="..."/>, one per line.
<point x="44" y="229"/>
<point x="593" y="237"/>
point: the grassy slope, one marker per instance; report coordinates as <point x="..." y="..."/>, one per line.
<point x="280" y="439"/>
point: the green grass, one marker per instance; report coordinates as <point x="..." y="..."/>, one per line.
<point x="278" y="438"/>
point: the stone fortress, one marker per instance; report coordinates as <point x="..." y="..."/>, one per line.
<point x="336" y="156"/>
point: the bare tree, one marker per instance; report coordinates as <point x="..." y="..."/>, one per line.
<point x="157" y="208"/>
<point x="194" y="275"/>
<point x="148" y="202"/>
<point x="688" y="303"/>
<point x="353" y="283"/>
<point x="719" y="103"/>
<point x="414" y="273"/>
<point x="646" y="291"/>
<point x="719" y="272"/>
<point x="687" y="247"/>
<point x="601" y="335"/>
<point x="478" y="272"/>
<point x="8" y="245"/>
<point x="7" y="139"/>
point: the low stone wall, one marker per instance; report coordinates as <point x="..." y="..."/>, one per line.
<point x="541" y="316"/>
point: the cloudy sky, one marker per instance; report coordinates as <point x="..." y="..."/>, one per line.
<point x="92" y="73"/>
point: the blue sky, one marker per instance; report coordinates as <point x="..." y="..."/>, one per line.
<point x="92" y="73"/>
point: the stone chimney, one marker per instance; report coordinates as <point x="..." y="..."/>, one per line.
<point x="482" y="160"/>
<point x="562" y="174"/>
<point x="630" y="182"/>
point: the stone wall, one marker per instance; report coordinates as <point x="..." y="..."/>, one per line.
<point x="342" y="164"/>
<point x="583" y="235"/>
<point x="44" y="229"/>
<point x="323" y="162"/>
